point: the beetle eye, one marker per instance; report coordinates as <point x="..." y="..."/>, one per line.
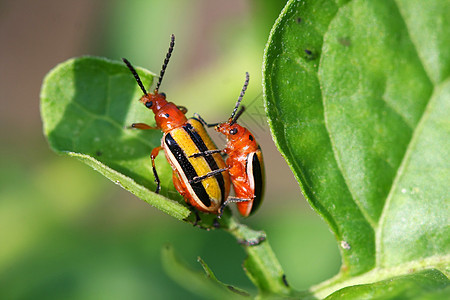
<point x="163" y="94"/>
<point x="233" y="131"/>
<point x="149" y="104"/>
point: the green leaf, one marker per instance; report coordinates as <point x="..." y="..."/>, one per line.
<point x="204" y="284"/>
<point x="357" y="94"/>
<point x="427" y="284"/>
<point x="210" y="274"/>
<point x="86" y="106"/>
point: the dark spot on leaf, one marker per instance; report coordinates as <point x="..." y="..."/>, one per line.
<point x="310" y="55"/>
<point x="98" y="153"/>
<point x="345" y="41"/>
<point x="298" y="20"/>
<point x="285" y="280"/>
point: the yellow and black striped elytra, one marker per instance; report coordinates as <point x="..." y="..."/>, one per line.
<point x="180" y="144"/>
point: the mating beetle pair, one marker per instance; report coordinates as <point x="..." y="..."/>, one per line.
<point x="200" y="174"/>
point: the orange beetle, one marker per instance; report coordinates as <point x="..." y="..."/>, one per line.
<point x="202" y="181"/>
<point x="245" y="162"/>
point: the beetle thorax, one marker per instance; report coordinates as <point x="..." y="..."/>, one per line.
<point x="169" y="117"/>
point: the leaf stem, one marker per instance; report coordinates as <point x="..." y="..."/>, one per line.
<point x="261" y="265"/>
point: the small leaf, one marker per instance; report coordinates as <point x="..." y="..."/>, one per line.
<point x="211" y="275"/>
<point x="86" y="106"/>
<point x="261" y="264"/>
<point x="203" y="284"/>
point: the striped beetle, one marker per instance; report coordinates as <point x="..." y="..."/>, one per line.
<point x="204" y="181"/>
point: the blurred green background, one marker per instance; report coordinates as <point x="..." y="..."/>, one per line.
<point x="66" y="231"/>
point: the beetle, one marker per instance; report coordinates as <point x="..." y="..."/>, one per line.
<point x="245" y="161"/>
<point x="203" y="182"/>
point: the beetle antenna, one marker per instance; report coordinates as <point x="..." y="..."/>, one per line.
<point x="239" y="113"/>
<point x="135" y="74"/>
<point x="244" y="88"/>
<point x="166" y="61"/>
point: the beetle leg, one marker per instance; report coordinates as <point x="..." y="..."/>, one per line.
<point x="142" y="126"/>
<point x="216" y="223"/>
<point x="285" y="280"/>
<point x="210" y="174"/>
<point x="197" y="219"/>
<point x="206" y="153"/>
<point x="224" y="155"/>
<point x="153" y="155"/>
<point x="183" y="109"/>
<point x="197" y="116"/>
<point x="231" y="200"/>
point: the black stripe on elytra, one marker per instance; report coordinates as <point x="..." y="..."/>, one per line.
<point x="209" y="158"/>
<point x="188" y="169"/>
<point x="257" y="178"/>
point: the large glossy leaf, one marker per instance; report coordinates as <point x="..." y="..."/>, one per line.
<point x="357" y="94"/>
<point x="86" y="106"/>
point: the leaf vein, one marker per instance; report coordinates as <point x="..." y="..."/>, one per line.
<point x="111" y="121"/>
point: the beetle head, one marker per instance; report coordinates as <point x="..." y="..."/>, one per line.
<point x="154" y="101"/>
<point x="232" y="131"/>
